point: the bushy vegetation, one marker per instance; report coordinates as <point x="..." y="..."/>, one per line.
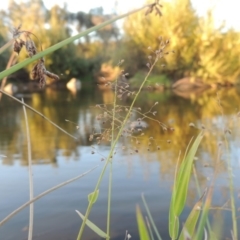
<point x="201" y="49"/>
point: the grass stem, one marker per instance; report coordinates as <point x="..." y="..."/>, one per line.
<point x="112" y="149"/>
<point x="43" y="194"/>
<point x="30" y="175"/>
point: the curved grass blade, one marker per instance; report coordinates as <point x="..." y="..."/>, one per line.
<point x="91" y="225"/>
<point x="92" y="197"/>
<point x="142" y="229"/>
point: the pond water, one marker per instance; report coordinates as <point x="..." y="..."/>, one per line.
<point x="141" y="168"/>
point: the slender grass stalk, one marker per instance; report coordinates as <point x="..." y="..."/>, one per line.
<point x="204" y="216"/>
<point x="109" y="200"/>
<point x="111" y="163"/>
<point x="150" y="219"/>
<point x="44" y="194"/>
<point x="149" y="228"/>
<point x="231" y="189"/>
<point x="30" y="175"/>
<point x="63" y="43"/>
<point x="43" y="116"/>
<point x="113" y="147"/>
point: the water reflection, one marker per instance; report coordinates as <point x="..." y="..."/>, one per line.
<point x="158" y="148"/>
<point x="204" y="112"/>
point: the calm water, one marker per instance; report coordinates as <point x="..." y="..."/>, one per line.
<point x="57" y="158"/>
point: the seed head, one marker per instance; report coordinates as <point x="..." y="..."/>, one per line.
<point x="30" y="47"/>
<point x="17" y="46"/>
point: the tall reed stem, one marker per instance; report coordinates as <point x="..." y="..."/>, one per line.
<point x="30" y="174"/>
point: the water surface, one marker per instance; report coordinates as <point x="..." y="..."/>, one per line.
<point x="149" y="170"/>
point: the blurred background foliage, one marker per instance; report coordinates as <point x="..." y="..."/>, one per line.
<point x="201" y="49"/>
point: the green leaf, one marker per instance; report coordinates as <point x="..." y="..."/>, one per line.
<point x="91" y="225"/>
<point x="180" y="189"/>
<point x="183" y="177"/>
<point x="142" y="229"/>
<point x="92" y="197"/>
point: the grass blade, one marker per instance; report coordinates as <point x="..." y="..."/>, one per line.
<point x="184" y="176"/>
<point x="180" y="189"/>
<point x="91" y="225"/>
<point x="142" y="229"/>
<point x="150" y="218"/>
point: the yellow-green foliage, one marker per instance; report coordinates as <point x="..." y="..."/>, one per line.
<point x="200" y="49"/>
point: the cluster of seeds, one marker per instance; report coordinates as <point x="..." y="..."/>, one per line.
<point x="39" y="71"/>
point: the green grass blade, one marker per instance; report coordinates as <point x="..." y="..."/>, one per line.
<point x="92" y="197"/>
<point x="61" y="44"/>
<point x="150" y="218"/>
<point x="91" y="225"/>
<point x="191" y="222"/>
<point x="184" y="175"/>
<point x="142" y="229"/>
<point x="180" y="189"/>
